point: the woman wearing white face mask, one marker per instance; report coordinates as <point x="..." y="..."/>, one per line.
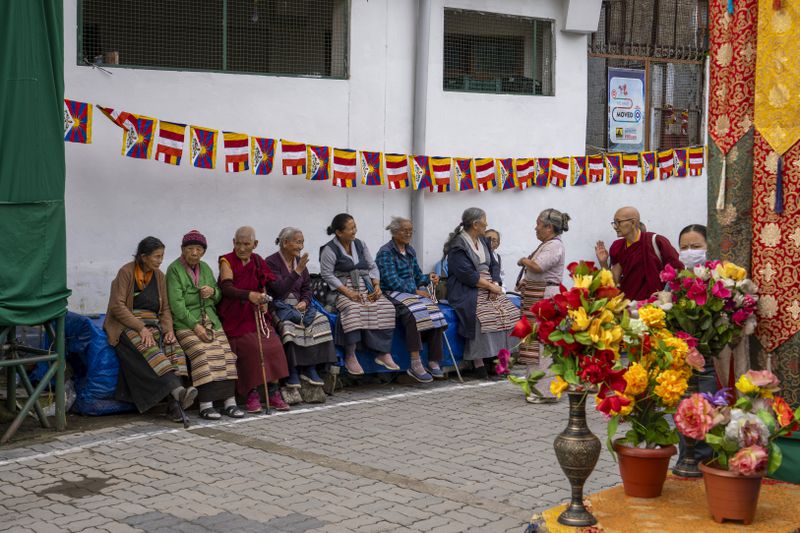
<point x="693" y="245"/>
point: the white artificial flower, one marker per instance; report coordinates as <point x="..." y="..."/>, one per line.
<point x="702" y="272"/>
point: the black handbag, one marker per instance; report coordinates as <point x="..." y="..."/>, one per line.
<point x="323" y="293"/>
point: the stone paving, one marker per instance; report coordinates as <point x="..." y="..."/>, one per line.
<point x="440" y="458"/>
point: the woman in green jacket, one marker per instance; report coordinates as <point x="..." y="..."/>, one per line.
<point x="193" y="295"/>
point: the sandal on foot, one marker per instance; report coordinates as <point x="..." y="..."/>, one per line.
<point x="210" y="414"/>
<point x="233" y="411"/>
<point x="187" y="397"/>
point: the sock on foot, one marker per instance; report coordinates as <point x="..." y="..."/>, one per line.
<point x="176" y="393"/>
<point x="230" y="402"/>
<point x="206" y="405"/>
<point x="416" y="366"/>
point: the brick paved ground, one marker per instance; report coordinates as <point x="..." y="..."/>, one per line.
<point x="441" y="458"/>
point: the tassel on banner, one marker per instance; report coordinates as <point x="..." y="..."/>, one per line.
<point x="779" y="188"/>
<point x="723" y="175"/>
<point x="730" y="7"/>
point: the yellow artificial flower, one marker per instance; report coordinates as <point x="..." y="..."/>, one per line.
<point x="595" y="331"/>
<point x="731" y="271"/>
<point x="606" y="278"/>
<point x="627" y="409"/>
<point x="582" y="282"/>
<point x="612" y="336"/>
<point x="671" y="386"/>
<point x="636" y="378"/>
<point x="652" y="316"/>
<point x="580" y="320"/>
<point x="557" y="386"/>
<point x="606" y="316"/>
<point x="679" y="350"/>
<point x="617" y="304"/>
<point x="745" y="386"/>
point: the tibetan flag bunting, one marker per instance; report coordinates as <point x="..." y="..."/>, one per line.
<point x="648" y="166"/>
<point x="397" y="170"/>
<point x="203" y="147"/>
<point x="525" y="170"/>
<point x="680" y="160"/>
<point x="344" y="168"/>
<point x="559" y="171"/>
<point x="440" y="167"/>
<point x="697" y="158"/>
<point x="137" y="139"/>
<point x="77" y="122"/>
<point x="505" y="173"/>
<point x="630" y="168"/>
<point x="578" y="171"/>
<point x="465" y="174"/>
<point x="597" y="168"/>
<point x="236" y="150"/>
<point x="294" y="158"/>
<point x="666" y="164"/>
<point x="262" y="155"/>
<point x="319" y="163"/>
<point x="171" y="136"/>
<point x="485" y="174"/>
<point x="421" y="172"/>
<point x="120" y="118"/>
<point x="371" y="168"/>
<point x="542" y="172"/>
<point x="614" y="166"/>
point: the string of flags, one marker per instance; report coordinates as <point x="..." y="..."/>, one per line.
<point x="341" y="166"/>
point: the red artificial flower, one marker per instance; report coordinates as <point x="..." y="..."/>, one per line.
<point x="690" y="341"/>
<point x="522" y="329"/>
<point x="607" y="292"/>
<point x="544" y="309"/>
<point x="571" y="267"/>
<point x="697" y="292"/>
<point x="612" y="403"/>
<point x="596" y="368"/>
<point x="570" y="299"/>
<point x="546" y="327"/>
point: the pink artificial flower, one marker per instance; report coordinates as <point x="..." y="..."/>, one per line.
<point x="503" y="357"/>
<point x="668" y="274"/>
<point x="697" y="292"/>
<point x="763" y="378"/>
<point x="687" y="282"/>
<point x="749" y="461"/>
<point x="720" y="291"/>
<point x="695" y="359"/>
<point x="749" y="302"/>
<point x="711" y="265"/>
<point x="690" y="341"/>
<point x="740" y="316"/>
<point x="674" y="285"/>
<point x="695" y="417"/>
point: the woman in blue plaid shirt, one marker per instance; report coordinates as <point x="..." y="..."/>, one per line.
<point x="406" y="287"/>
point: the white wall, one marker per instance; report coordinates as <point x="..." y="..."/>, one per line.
<point x="113" y="201"/>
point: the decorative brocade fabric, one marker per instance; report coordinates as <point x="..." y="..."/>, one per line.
<point x="777" y="100"/>
<point x="732" y="49"/>
<point x="776" y="244"/>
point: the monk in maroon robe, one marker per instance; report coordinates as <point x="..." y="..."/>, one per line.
<point x="637" y="257"/>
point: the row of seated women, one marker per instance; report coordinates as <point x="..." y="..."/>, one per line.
<point x="256" y="324"/>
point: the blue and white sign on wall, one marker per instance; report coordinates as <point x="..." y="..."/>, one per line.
<point x="625" y="110"/>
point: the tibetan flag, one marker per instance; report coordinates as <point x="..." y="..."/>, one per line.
<point x="421" y="172"/>
<point x="505" y="173"/>
<point x="648" y="166"/>
<point x="319" y="163"/>
<point x="630" y="169"/>
<point x="77" y="122"/>
<point x="485" y="174"/>
<point x="597" y="168"/>
<point x="697" y="158"/>
<point x="120" y="118"/>
<point x="614" y="166"/>
<point x="525" y="170"/>
<point x="371" y="168"/>
<point x="542" y="172"/>
<point x="465" y="174"/>
<point x="262" y="155"/>
<point x="235" y="147"/>
<point x="137" y="139"/>
<point x="344" y="168"/>
<point x="559" y="171"/>
<point x="171" y="136"/>
<point x="440" y="167"/>
<point x="578" y="171"/>
<point x="397" y="170"/>
<point x="294" y="157"/>
<point x="680" y="158"/>
<point x="203" y="147"/>
<point x="666" y="164"/>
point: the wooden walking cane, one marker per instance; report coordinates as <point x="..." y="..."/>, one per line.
<point x="262" y="327"/>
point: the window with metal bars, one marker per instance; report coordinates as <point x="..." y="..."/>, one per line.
<point x="495" y="53"/>
<point x="280" y="37"/>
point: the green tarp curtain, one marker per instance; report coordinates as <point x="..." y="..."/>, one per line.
<point x="33" y="286"/>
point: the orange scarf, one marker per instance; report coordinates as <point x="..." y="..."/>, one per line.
<point x="142" y="279"/>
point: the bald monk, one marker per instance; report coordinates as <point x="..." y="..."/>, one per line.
<point x="637" y="257"/>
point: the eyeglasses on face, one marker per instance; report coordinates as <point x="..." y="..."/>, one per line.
<point x="616" y="223"/>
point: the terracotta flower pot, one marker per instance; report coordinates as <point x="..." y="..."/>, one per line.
<point x="731" y="496"/>
<point x="643" y="470"/>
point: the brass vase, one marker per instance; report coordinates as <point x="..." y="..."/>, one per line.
<point x="577" y="450"/>
<point x="688" y="465"/>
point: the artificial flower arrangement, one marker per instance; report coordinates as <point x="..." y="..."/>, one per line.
<point x="742" y="436"/>
<point x="715" y="303"/>
<point x="580" y="329"/>
<point x="660" y="363"/>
